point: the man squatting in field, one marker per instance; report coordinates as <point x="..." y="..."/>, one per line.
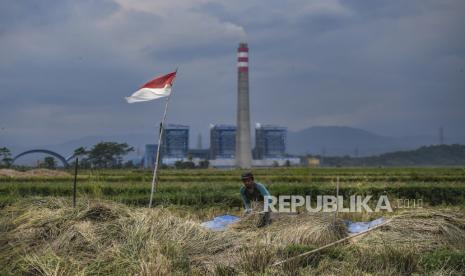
<point x="254" y="192"/>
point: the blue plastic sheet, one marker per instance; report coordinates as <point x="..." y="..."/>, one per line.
<point x="219" y="223"/>
<point x="357" y="227"/>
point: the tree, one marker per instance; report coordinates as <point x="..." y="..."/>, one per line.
<point x="204" y="164"/>
<point x="82" y="154"/>
<point x="184" y="165"/>
<point x="49" y="162"/>
<point x="80" y="151"/>
<point x="108" y="154"/>
<point x="129" y="165"/>
<point x="5" y="157"/>
<point x="287" y="163"/>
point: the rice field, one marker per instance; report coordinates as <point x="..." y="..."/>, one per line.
<point x="213" y="188"/>
<point x="111" y="232"/>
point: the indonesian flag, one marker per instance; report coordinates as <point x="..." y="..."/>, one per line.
<point x="157" y="88"/>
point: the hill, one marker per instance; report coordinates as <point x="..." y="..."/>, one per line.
<point x="439" y="155"/>
<point x="341" y="140"/>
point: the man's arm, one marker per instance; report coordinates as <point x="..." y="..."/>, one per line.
<point x="245" y="199"/>
<point x="263" y="191"/>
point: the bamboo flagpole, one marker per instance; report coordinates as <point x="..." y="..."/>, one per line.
<point x="156" y="88"/>
<point x="157" y="158"/>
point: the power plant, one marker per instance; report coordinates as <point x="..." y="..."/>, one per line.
<point x="243" y="146"/>
<point x="230" y="146"/>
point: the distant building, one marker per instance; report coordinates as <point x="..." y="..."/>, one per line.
<point x="223" y="163"/>
<point x="313" y="162"/>
<point x="277" y="162"/>
<point x="149" y="155"/>
<point x="222" y="141"/>
<point x="175" y="141"/>
<point x="203" y="154"/>
<point x="270" y="141"/>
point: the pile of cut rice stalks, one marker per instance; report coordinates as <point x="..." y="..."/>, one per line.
<point x="46" y="236"/>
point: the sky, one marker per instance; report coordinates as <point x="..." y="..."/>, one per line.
<point x="392" y="67"/>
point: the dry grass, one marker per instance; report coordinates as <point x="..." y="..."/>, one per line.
<point x="422" y="229"/>
<point x="48" y="237"/>
<point x="33" y="173"/>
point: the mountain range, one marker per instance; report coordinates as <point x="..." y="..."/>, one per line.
<point x="340" y="141"/>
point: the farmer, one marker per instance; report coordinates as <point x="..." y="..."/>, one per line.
<point x="252" y="191"/>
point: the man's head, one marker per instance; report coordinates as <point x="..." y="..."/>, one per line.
<point x="247" y="179"/>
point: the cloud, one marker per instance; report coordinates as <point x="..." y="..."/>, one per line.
<point x="65" y="66"/>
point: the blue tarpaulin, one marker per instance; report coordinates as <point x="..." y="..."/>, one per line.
<point x="357" y="227"/>
<point x="219" y="223"/>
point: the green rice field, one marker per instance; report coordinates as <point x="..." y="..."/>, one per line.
<point x="210" y="187"/>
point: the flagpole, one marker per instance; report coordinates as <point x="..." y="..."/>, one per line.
<point x="155" y="169"/>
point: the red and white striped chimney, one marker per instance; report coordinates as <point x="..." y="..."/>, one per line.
<point x="243" y="141"/>
<point x="243" y="58"/>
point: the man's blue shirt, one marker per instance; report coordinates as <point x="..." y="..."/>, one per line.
<point x="258" y="194"/>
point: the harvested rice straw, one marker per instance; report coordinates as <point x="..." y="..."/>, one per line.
<point x="331" y="244"/>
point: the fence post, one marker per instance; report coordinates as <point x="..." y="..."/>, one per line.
<point x="75" y="181"/>
<point x="337" y="200"/>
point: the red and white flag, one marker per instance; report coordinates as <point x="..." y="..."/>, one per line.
<point x="157" y="88"/>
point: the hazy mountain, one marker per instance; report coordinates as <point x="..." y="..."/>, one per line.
<point x="339" y="141"/>
<point x="437" y="155"/>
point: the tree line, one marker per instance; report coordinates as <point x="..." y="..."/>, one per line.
<point x="103" y="155"/>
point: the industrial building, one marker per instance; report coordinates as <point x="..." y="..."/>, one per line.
<point x="149" y="155"/>
<point x="270" y="141"/>
<point x="269" y="151"/>
<point x="229" y="145"/>
<point x="222" y="141"/>
<point x="202" y="154"/>
<point x="175" y="142"/>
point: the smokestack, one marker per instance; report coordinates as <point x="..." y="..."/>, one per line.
<point x="243" y="147"/>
